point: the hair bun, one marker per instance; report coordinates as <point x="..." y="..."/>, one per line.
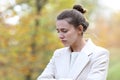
<point x="79" y="8"/>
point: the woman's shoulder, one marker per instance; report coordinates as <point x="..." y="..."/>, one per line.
<point x="60" y="51"/>
<point x="101" y="51"/>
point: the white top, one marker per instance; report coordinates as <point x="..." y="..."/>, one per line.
<point x="73" y="57"/>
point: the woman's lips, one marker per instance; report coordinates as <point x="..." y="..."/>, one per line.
<point x="63" y="41"/>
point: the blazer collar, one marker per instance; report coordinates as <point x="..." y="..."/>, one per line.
<point x="82" y="59"/>
<point x="89" y="47"/>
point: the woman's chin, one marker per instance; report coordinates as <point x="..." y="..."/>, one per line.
<point x="66" y="45"/>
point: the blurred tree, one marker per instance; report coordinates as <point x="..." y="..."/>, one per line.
<point x="91" y="7"/>
<point x="28" y="45"/>
<point x="107" y="30"/>
<point x="115" y="29"/>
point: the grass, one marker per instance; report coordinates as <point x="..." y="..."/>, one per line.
<point x="114" y="66"/>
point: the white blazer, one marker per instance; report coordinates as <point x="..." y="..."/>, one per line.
<point x="91" y="64"/>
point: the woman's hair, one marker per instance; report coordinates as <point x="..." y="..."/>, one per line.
<point x="74" y="16"/>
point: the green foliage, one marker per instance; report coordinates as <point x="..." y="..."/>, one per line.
<point x="114" y="72"/>
<point x="114" y="67"/>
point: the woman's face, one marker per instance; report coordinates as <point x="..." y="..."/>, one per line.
<point x="67" y="33"/>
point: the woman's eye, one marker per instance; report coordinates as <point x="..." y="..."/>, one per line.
<point x="57" y="31"/>
<point x="64" y="31"/>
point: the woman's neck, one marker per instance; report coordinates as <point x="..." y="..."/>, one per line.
<point x="78" y="45"/>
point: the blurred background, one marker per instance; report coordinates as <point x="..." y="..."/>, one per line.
<point x="28" y="35"/>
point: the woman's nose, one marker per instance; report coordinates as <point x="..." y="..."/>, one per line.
<point x="61" y="36"/>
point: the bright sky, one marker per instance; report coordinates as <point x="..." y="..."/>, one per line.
<point x="110" y="5"/>
<point x="114" y="5"/>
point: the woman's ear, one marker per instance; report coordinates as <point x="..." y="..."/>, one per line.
<point x="80" y="29"/>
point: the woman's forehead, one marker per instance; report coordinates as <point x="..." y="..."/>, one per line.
<point x="63" y="24"/>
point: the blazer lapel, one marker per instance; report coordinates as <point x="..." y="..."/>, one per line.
<point x="82" y="60"/>
<point x="62" y="62"/>
<point x="78" y="66"/>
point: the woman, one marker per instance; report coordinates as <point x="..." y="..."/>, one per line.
<point x="80" y="59"/>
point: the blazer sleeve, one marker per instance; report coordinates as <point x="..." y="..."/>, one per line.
<point x="49" y="71"/>
<point x="100" y="66"/>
